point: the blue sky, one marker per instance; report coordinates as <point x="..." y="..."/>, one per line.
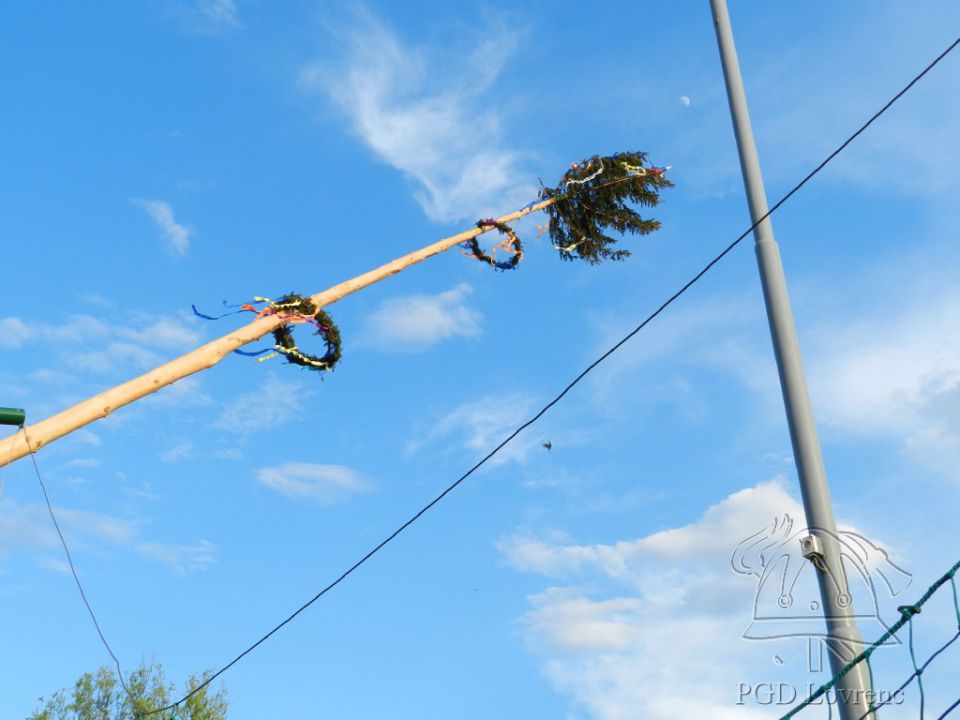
<point x="160" y="154"/>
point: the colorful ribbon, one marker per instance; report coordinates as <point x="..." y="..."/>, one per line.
<point x="304" y="312"/>
<point x="595" y="175"/>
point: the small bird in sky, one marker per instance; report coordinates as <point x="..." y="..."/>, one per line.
<point x="548" y="445"/>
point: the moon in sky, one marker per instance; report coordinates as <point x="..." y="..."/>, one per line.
<point x="685" y="101"/>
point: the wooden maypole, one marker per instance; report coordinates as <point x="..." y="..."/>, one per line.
<point x="638" y="184"/>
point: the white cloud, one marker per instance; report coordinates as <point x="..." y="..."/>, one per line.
<point x="114" y="342"/>
<point x="882" y="355"/>
<point x="663" y="366"/>
<point x="95" y="299"/>
<point x="895" y="372"/>
<point x="29" y="526"/>
<point x="163" y="333"/>
<point x="59" y="566"/>
<point x="14" y="332"/>
<point x="82" y="463"/>
<point x="177" y="235"/>
<point x="323" y="484"/>
<point x="86" y="437"/>
<point x="181" y="558"/>
<point x="274" y="403"/>
<point x="654" y="628"/>
<point x="114" y="356"/>
<point x="416" y="322"/>
<point x="219" y="13"/>
<point x="430" y="118"/>
<point x="751" y="508"/>
<point x="178" y="451"/>
<point x="103" y="527"/>
<point x="481" y="425"/>
<point x="206" y="17"/>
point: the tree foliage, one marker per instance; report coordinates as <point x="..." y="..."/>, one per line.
<point x="100" y="696"/>
<point x="593" y="197"/>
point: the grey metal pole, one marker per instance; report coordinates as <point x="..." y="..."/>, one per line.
<point x="821" y="547"/>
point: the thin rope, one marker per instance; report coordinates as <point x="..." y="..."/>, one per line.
<point x="949" y="710"/>
<point x="343" y="576"/>
<point x="73" y="569"/>
<point x="906" y="683"/>
<point x="917" y="671"/>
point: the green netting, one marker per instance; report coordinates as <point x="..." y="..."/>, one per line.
<point x="907" y="612"/>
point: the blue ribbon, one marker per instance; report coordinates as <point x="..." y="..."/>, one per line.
<point x="211" y="317"/>
<point x="249" y="353"/>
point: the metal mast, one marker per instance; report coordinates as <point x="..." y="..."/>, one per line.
<point x="821" y="547"/>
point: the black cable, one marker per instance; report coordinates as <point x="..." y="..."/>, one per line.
<point x="73" y="569"/>
<point x="567" y="389"/>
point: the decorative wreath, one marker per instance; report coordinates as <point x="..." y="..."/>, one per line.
<point x="510" y="243"/>
<point x="291" y="309"/>
<point x="592" y="197"/>
<point x="303" y="310"/>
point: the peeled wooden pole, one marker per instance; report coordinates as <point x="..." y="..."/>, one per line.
<point x="40" y="434"/>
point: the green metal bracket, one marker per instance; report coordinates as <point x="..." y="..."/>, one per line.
<point x="12" y="416"/>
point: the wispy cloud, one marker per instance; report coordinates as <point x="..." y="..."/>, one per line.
<point x="417" y="322"/>
<point x="101" y="344"/>
<point x="177" y="451"/>
<point x="176" y="235"/>
<point x="86" y="437"/>
<point x="163" y="333"/>
<point x="429" y="117"/>
<point x="322" y="484"/>
<point x="882" y="354"/>
<point x="220" y="13"/>
<point x="181" y="558"/>
<point x="82" y="463"/>
<point x="206" y="17"/>
<point x="274" y="403"/>
<point x="14" y="332"/>
<point x="896" y="373"/>
<point x="59" y="566"/>
<point x="27" y="527"/>
<point x="113" y="355"/>
<point x="725" y="332"/>
<point x="482" y="424"/>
